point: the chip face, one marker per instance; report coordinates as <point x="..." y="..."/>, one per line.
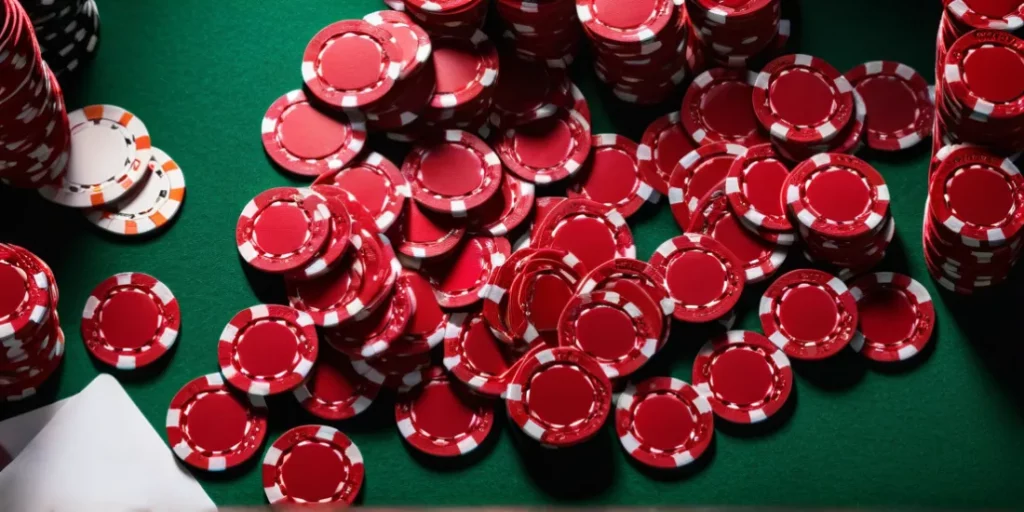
<point x="268" y="349"/>
<point x="313" y="464"/>
<point x="664" y="422"/>
<point x="441" y="419"/>
<point x="745" y="378"/>
<point x="810" y="314"/>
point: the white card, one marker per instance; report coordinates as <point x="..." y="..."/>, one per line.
<point x="17" y="432"/>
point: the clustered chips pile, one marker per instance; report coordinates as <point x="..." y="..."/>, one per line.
<point x="35" y="137"/>
<point x="546" y="31"/>
<point x="31" y="340"/>
<point x="68" y="32"/>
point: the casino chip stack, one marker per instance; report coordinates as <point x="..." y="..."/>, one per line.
<point x="31" y="340"/>
<point x="34" y="130"/>
<point x="962" y="16"/>
<point x="458" y="18"/>
<point x="735" y="35"/>
<point x="973" y="218"/>
<point x="547" y="32"/>
<point x="640" y="48"/>
<point x="68" y="32"/>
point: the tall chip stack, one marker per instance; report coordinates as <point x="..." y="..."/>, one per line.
<point x="31" y="340"/>
<point x="736" y="36"/>
<point x="546" y="31"/>
<point x="68" y="32"/>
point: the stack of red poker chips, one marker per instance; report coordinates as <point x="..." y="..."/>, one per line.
<point x="31" y="340"/>
<point x="980" y="93"/>
<point x="35" y="135"/>
<point x="962" y="16"/>
<point x="840" y="206"/>
<point x="640" y="50"/>
<point x="736" y="34"/>
<point x="544" y="31"/>
<point x="973" y="218"/>
<point x="458" y="18"/>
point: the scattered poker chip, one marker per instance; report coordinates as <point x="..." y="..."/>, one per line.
<point x="664" y="422"/>
<point x="718" y="108"/>
<point x="372" y="333"/>
<point x="212" y="427"/>
<point x="393" y="371"/>
<point x="899" y="111"/>
<point x="547" y="150"/>
<point x="507" y="209"/>
<point x="744" y="377"/>
<point x="147" y="207"/>
<point x="802" y="99"/>
<point x="612" y="177"/>
<point x="376" y="183"/>
<point x="539" y="293"/>
<point x="439" y="419"/>
<point x="423" y="234"/>
<point x="896" y="316"/>
<point x="453" y="172"/>
<point x="282" y="229"/>
<point x="612" y="330"/>
<point x="466" y="68"/>
<point x="664" y="143"/>
<point x="809" y="314"/>
<point x="701" y="275"/>
<point x="351" y="64"/>
<point x="303" y="140"/>
<point x="411" y="38"/>
<point x="313" y="465"/>
<point x="559" y="396"/>
<point x="334" y="391"/>
<point x="696" y="174"/>
<point x="605" y="276"/>
<point x="586" y="229"/>
<point x="130" y="320"/>
<point x="459" y="279"/>
<point x="110" y="154"/>
<point x="336" y="245"/>
<point x="625" y="25"/>
<point x="426" y="328"/>
<point x="267" y="349"/>
<point x="475" y="356"/>
<point x="496" y="291"/>
<point x="839" y="196"/>
<point x="754" y="186"/>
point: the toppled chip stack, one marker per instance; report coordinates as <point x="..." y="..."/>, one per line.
<point x="31" y="340"/>
<point x="732" y="35"/>
<point x="68" y="32"/>
<point x="34" y="130"/>
<point x="545" y="31"/>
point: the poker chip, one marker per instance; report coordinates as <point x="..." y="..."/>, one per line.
<point x="586" y="229"/>
<point x="718" y="108"/>
<point x="701" y="275"/>
<point x="696" y="174"/>
<point x="351" y="63"/>
<point x="899" y="112"/>
<point x="374" y="182"/>
<point x="110" y="154"/>
<point x="282" y="229"/>
<point x="838" y="196"/>
<point x="213" y="427"/>
<point x="467" y="70"/>
<point x="439" y="419"/>
<point x="422" y="234"/>
<point x="754" y="186"/>
<point x="612" y="177"/>
<point x="526" y="92"/>
<point x="26" y="297"/>
<point x="393" y="371"/>
<point x="452" y="172"/>
<point x="130" y="320"/>
<point x="336" y="245"/>
<point x="540" y="291"/>
<point x="267" y="349"/>
<point x="744" y="377"/>
<point x="809" y="314"/>
<point x="664" y="143"/>
<point x="313" y="465"/>
<point x="426" y="328"/>
<point x="496" y="291"/>
<point x="372" y="333"/>
<point x="334" y="391"/>
<point x="147" y="207"/>
<point x="474" y="354"/>
<point x="411" y="38"/>
<point x="547" y="150"/>
<point x="802" y="99"/>
<point x="559" y="396"/>
<point x="612" y="330"/>
<point x="507" y="209"/>
<point x="303" y="140"/>
<point x="896" y="316"/>
<point x="650" y="279"/>
<point x="457" y="281"/>
<point x="664" y="422"/>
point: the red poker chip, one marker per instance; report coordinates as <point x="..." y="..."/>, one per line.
<point x="896" y="316"/>
<point x="718" y="107"/>
<point x="25" y="383"/>
<point x="542" y="287"/>
<point x="802" y="99"/>
<point x="837" y="196"/>
<point x="809" y="314"/>
<point x="413" y="41"/>
<point x="899" y="111"/>
<point x="754" y="185"/>
<point x="664" y="422"/>
<point x="702" y="276"/>
<point x="351" y="64"/>
<point x="625" y="24"/>
<point x="375" y="183"/>
<point x="24" y="295"/>
<point x="423" y="234"/>
<point x="696" y="174"/>
<point x="526" y="92"/>
<point x="282" y="229"/>
<point x="453" y="172"/>
<point x="982" y="14"/>
<point x="426" y="328"/>
<point x="213" y="427"/>
<point x="547" y="150"/>
<point x="650" y="279"/>
<point x="542" y="206"/>
<point x="313" y="465"/>
<point x="459" y="279"/>
<point x="393" y="371"/>
<point x="130" y="320"/>
<point x="664" y="143"/>
<point x="337" y="244"/>
<point x="975" y="75"/>
<point x="373" y="332"/>
<point x="305" y="141"/>
<point x="475" y="356"/>
<point x="267" y="349"/>
<point x="334" y="391"/>
<point x="586" y="229"/>
<point x="559" y="396"/>
<point x="744" y="377"/>
<point x="507" y="209"/>
<point x="612" y="177"/>
<point x="612" y="330"/>
<point x="440" y="419"/>
<point x="466" y="69"/>
<point x="496" y="292"/>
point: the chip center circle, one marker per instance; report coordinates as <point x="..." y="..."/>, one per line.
<point x="267" y="349"/>
<point x="352" y="63"/>
<point x="696" y="278"/>
<point x="12" y="289"/>
<point x="588" y="238"/>
<point x="304" y="484"/>
<point x="561" y="395"/>
<point x="101" y="151"/>
<point x="216" y="422"/>
<point x="891" y="104"/>
<point x="663" y="422"/>
<point x="838" y="194"/>
<point x="310" y="134"/>
<point x="762" y="186"/>
<point x="981" y="196"/>
<point x="726" y="108"/>
<point x="606" y="333"/>
<point x="456" y="65"/>
<point x="544" y="144"/>
<point x="129" y="320"/>
<point x="612" y="176"/>
<point x="995" y="73"/>
<point x="442" y="414"/>
<point x="802" y="97"/>
<point x="281" y="229"/>
<point x="887" y="317"/>
<point x="624" y="15"/>
<point x="741" y="376"/>
<point x="451" y="170"/>
<point x="808" y="313"/>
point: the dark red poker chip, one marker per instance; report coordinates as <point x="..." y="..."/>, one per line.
<point x="696" y="174"/>
<point x="896" y="316"/>
<point x="718" y="108"/>
<point x="282" y="229"/>
<point x="420" y="234"/>
<point x="267" y="349"/>
<point x="837" y="196"/>
<point x="745" y="378"/>
<point x="375" y="183"/>
<point x="507" y="209"/>
<point x="526" y="92"/>
<point x="664" y="143"/>
<point x="334" y="391"/>
<point x="496" y="293"/>
<point x="899" y="110"/>
<point x="438" y="418"/>
<point x="755" y="183"/>
<point x="664" y="422"/>
<point x="313" y="465"/>
<point x="373" y="332"/>
<point x="336" y="245"/>
<point x="702" y="276"/>
<point x="612" y="177"/>
<point x="615" y="332"/>
<point x="802" y="99"/>
<point x="452" y="172"/>
<point x="475" y="356"/>
<point x="542" y="287"/>
<point x="25" y="296"/>
<point x="809" y="314"/>
<point x="587" y="229"/>
<point x="466" y="69"/>
<point x="426" y="328"/>
<point x="459" y="279"/>
<point x="546" y="150"/>
<point x="303" y="140"/>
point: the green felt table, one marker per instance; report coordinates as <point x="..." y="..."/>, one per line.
<point x="944" y="432"/>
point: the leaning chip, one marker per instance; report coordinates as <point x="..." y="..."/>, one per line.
<point x="438" y="418"/>
<point x="149" y="206"/>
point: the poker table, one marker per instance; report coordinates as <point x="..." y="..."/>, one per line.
<point x="943" y="431"/>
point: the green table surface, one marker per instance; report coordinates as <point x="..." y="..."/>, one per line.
<point x="944" y="432"/>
